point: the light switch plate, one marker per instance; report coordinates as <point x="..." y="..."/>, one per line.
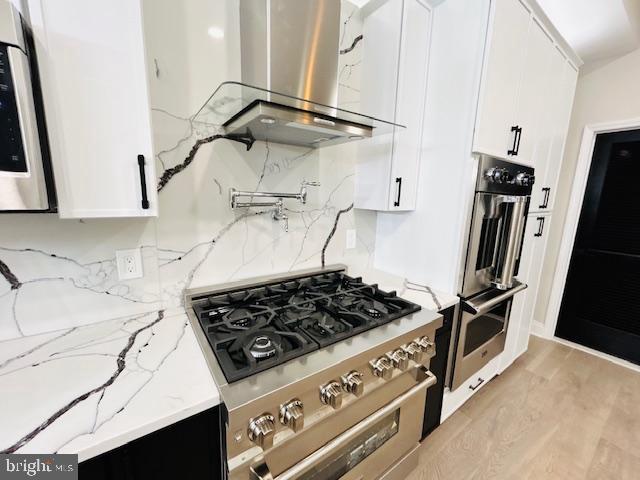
<point x="351" y="239"/>
<point x="129" y="264"/>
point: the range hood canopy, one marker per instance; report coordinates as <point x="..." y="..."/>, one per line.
<point x="242" y="109"/>
<point x="288" y="93"/>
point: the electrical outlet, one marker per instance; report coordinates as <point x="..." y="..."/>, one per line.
<point x="129" y="264"/>
<point x="351" y="239"/>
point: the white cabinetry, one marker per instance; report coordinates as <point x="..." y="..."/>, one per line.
<point x="394" y="82"/>
<point x="92" y="62"/>
<point x="529" y="272"/>
<point x="502" y="73"/>
<point x="522" y="92"/>
<point x="555" y="123"/>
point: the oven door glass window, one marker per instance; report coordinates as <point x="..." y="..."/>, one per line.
<point x="357" y="451"/>
<point x="483" y="328"/>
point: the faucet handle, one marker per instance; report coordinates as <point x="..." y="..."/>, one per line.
<point x="303" y="190"/>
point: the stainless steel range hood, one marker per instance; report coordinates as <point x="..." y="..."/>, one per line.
<point x="289" y="88"/>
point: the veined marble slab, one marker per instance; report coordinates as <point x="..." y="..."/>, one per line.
<point x="90" y="389"/>
<point x="418" y="293"/>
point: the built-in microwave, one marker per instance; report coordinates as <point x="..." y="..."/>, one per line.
<point x="26" y="179"/>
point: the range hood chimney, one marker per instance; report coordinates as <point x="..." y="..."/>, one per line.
<point x="289" y="89"/>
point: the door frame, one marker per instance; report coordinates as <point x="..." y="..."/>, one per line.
<point x="581" y="177"/>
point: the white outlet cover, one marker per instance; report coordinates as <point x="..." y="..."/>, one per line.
<point x="351" y="239"/>
<point x="129" y="264"/>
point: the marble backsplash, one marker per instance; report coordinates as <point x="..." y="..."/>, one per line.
<point x="62" y="273"/>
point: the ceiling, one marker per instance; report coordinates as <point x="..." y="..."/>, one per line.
<point x="598" y="30"/>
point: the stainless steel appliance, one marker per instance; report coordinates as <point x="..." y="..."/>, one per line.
<point x="25" y="174"/>
<point x="322" y="376"/>
<point x="503" y="191"/>
<point x="289" y="67"/>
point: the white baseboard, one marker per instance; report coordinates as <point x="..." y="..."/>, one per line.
<point x="537" y="329"/>
<point x="605" y="356"/>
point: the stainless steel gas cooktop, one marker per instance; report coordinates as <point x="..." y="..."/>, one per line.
<point x="254" y="329"/>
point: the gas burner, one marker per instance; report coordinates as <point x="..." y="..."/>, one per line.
<point x="372" y="312"/>
<point x="262" y="347"/>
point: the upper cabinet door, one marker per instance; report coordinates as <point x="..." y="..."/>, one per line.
<point x="412" y="89"/>
<point x="394" y="83"/>
<point x="496" y="128"/>
<point x="92" y="61"/>
<point x="532" y="96"/>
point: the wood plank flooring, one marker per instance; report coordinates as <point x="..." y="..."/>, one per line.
<point x="556" y="413"/>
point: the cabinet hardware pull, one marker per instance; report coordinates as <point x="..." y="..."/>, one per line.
<point x="143" y="183"/>
<point x="540" y="226"/>
<point x="519" y="134"/>
<point x="545" y="202"/>
<point x="399" y="191"/>
<point x="514" y="150"/>
<point x="480" y="382"/>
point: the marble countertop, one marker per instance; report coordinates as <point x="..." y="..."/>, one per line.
<point x="418" y="293"/>
<point x="90" y="389"/>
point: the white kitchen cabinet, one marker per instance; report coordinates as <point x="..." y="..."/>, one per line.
<point x="505" y="57"/>
<point x="92" y="63"/>
<point x="529" y="272"/>
<point x="532" y="96"/>
<point x="550" y="150"/>
<point x="394" y="73"/>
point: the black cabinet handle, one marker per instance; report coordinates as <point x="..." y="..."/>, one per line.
<point x="143" y="183"/>
<point x="480" y="382"/>
<point x="399" y="191"/>
<point x="540" y="226"/>
<point x="514" y="149"/>
<point x="519" y="134"/>
<point x="545" y="202"/>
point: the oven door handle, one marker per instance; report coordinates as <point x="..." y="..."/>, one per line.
<point x="482" y="308"/>
<point x="260" y="469"/>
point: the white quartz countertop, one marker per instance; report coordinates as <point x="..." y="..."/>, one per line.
<point x="418" y="293"/>
<point x="90" y="389"/>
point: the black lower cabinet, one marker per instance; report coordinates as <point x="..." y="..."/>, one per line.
<point x="438" y="367"/>
<point x="189" y="449"/>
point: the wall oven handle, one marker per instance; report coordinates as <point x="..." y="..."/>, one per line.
<point x="260" y="470"/>
<point x="478" y="309"/>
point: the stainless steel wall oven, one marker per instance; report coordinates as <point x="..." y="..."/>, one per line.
<point x="498" y="220"/>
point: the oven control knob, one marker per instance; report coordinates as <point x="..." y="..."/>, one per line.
<point x="525" y="179"/>
<point x="426" y="345"/>
<point x="262" y="429"/>
<point x="331" y="394"/>
<point x="292" y="415"/>
<point x="382" y="368"/>
<point x="414" y="352"/>
<point x="498" y="175"/>
<point x="399" y="358"/>
<point x="352" y="382"/>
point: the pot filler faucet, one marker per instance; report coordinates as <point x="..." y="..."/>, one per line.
<point x="240" y="199"/>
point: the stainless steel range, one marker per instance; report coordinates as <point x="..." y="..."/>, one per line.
<point x="322" y="376"/>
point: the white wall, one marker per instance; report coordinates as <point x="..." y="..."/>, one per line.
<point x="610" y="93"/>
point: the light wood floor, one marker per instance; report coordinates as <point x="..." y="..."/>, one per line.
<point x="556" y="413"/>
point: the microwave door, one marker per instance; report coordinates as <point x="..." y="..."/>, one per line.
<point x="22" y="178"/>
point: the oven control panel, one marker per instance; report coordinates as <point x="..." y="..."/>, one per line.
<point x="296" y="414"/>
<point x="502" y="177"/>
<point x="12" y="155"/>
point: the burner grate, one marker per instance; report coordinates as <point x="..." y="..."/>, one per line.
<point x="254" y="329"/>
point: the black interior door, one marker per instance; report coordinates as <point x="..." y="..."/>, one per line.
<point x="601" y="303"/>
